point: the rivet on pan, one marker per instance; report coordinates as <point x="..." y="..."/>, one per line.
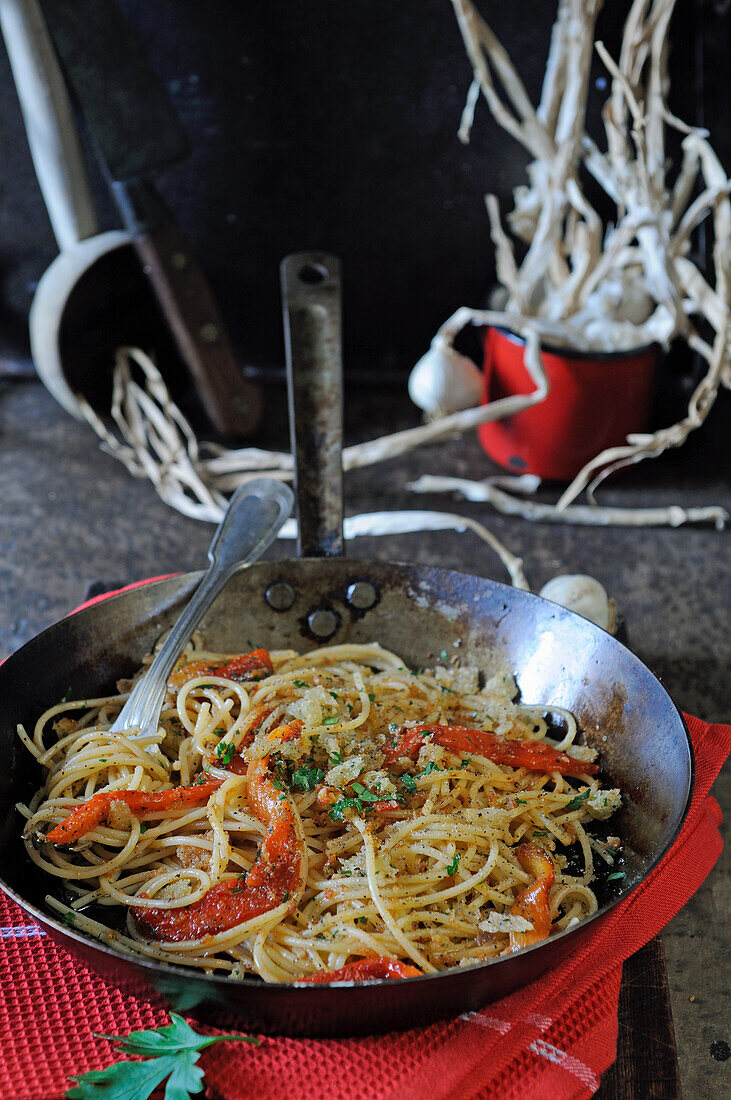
<point x="322" y="622"/>
<point x="361" y="594"/>
<point x="280" y="595"/>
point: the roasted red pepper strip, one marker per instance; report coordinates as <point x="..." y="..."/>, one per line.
<point x="243" y="667"/>
<point x="535" y="756"/>
<point x="275" y="877"/>
<point x="532" y="903"/>
<point x="96" y="811"/>
<point x="376" y="968"/>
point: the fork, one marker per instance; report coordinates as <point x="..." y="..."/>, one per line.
<point x="253" y="518"/>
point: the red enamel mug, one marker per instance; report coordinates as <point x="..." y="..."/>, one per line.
<point x="596" y="400"/>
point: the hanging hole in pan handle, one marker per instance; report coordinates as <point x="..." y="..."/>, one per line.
<point x="312" y="330"/>
<point x="312" y="273"/>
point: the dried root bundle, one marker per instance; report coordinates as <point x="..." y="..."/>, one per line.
<point x="583" y="283"/>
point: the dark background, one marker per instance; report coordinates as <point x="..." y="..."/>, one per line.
<point x="333" y="124"/>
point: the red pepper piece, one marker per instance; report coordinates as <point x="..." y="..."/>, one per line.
<point x="532" y="903"/>
<point x="96" y="811"/>
<point x="375" y="968"/>
<point x="241" y="668"/>
<point x="247" y="666"/>
<point x="535" y="756"/>
<point x="274" y="878"/>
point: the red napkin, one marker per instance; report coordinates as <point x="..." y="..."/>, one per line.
<point x="549" y="1041"/>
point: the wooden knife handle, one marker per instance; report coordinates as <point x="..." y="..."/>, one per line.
<point x="232" y="403"/>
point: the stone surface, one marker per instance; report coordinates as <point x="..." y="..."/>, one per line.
<point x="71" y="516"/>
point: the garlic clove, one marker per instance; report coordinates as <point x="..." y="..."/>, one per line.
<point x="582" y="594"/>
<point x="444" y="381"/>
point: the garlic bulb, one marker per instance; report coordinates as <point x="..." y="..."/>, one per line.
<point x="581" y="594"/>
<point x="443" y="381"/>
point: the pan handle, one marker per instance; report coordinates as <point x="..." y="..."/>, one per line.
<point x="312" y="330"/>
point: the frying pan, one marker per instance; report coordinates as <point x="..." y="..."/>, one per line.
<point x="420" y="612"/>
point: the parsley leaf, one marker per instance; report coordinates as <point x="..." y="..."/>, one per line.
<point x="330" y="721"/>
<point x="408" y="783"/>
<point x="452" y="867"/>
<point x="171" y="1051"/>
<point x="615" y="875"/>
<point x="579" y="800"/>
<point x="335" y="759"/>
<point x="300" y="683"/>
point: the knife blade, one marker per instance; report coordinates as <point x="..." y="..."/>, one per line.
<point x="136" y="133"/>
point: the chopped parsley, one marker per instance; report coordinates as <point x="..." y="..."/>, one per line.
<point x="443" y="655"/>
<point x="579" y="800"/>
<point x="334" y="694"/>
<point x="69" y="919"/>
<point x="335" y="759"/>
<point x="364" y="794"/>
<point x="371" y="697"/>
<point x="300" y="683"/>
<point x="225" y="751"/>
<point x="361" y="803"/>
<point x="452" y="867"/>
<point x="67" y="696"/>
<point x="443" y="687"/>
<point x="286" y="895"/>
<point x="615" y="876"/>
<point x="330" y="721"/>
<point x="143" y="829"/>
<point x="431" y="767"/>
<point x="306" y="777"/>
<point x="408" y="783"/>
<point x="336" y="811"/>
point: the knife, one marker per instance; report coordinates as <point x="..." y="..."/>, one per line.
<point x="136" y="133"/>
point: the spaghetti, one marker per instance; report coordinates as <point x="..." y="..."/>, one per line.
<point x="328" y="816"/>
